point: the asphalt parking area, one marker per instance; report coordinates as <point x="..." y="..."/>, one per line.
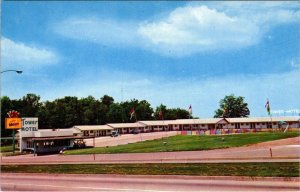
<point x="127" y="138"/>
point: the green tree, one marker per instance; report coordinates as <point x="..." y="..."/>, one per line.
<point x="115" y="113"/>
<point x="170" y="114"/>
<point x="143" y="110"/>
<point x="232" y="106"/>
<point x="107" y="100"/>
<point x="44" y="115"/>
<point x="177" y="113"/>
<point x="160" y="112"/>
<point x="6" y="106"/>
<point x="103" y="108"/>
<point x="88" y="110"/>
<point x="30" y="105"/>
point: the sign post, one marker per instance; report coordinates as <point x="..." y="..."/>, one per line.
<point x="13" y="141"/>
<point x="13" y="123"/>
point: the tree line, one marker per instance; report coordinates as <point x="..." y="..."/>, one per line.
<point x="69" y="111"/>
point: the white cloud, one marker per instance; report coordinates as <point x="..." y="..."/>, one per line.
<point x="97" y="30"/>
<point x="215" y="26"/>
<point x="16" y="54"/>
<point x="195" y="28"/>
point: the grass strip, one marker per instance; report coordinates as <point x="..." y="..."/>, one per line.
<point x="188" y="143"/>
<point x="7" y="148"/>
<point x="273" y="169"/>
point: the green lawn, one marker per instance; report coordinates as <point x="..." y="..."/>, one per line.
<point x="200" y="169"/>
<point x="188" y="143"/>
<point x="6" y="148"/>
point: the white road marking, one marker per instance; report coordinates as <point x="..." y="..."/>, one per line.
<point x="90" y="188"/>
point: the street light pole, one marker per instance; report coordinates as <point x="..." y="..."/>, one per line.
<point x="13" y="131"/>
<point x="17" y="71"/>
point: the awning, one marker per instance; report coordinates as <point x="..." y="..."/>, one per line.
<point x="54" y="138"/>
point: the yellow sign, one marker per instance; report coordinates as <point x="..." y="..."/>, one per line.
<point x="13" y="123"/>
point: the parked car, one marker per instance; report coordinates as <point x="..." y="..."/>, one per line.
<point x="114" y="134"/>
<point x="135" y="131"/>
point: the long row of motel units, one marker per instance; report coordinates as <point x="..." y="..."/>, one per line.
<point x="49" y="140"/>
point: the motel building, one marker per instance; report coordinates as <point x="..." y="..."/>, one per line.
<point x="54" y="140"/>
<point x="125" y="128"/>
<point x="93" y="130"/>
<point x="47" y="140"/>
<point x="153" y="126"/>
<point x="203" y="126"/>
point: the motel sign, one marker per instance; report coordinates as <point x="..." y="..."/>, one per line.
<point x="30" y="124"/>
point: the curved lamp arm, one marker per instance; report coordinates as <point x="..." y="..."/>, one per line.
<point x="17" y="71"/>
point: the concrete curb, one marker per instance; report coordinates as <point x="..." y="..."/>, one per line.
<point x="185" y="177"/>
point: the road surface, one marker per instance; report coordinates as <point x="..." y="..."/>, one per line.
<point x="138" y="183"/>
<point x="285" y="153"/>
<point x="284" y="150"/>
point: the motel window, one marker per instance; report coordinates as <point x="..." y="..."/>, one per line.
<point x="232" y="124"/>
<point x="242" y="123"/>
<point x="274" y="123"/>
<point x="257" y="123"/>
<point x="263" y="123"/>
<point x="203" y="125"/>
<point x="29" y="144"/>
<point x="269" y="125"/>
<point x="247" y="123"/>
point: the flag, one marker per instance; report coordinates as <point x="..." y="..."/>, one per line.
<point x="161" y="115"/>
<point x="267" y="106"/>
<point x="132" y="113"/>
<point x="190" y="109"/>
<point x="224" y="110"/>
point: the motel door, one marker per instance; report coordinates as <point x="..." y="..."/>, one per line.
<point x="219" y="126"/>
<point x="211" y="126"/>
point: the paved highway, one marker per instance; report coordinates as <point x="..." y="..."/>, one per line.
<point x="284" y="150"/>
<point x="285" y="153"/>
<point x="53" y="182"/>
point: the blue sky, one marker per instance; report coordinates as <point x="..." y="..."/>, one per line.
<point x="175" y="53"/>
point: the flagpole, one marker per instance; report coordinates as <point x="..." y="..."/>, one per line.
<point x="271" y="121"/>
<point x="269" y="112"/>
